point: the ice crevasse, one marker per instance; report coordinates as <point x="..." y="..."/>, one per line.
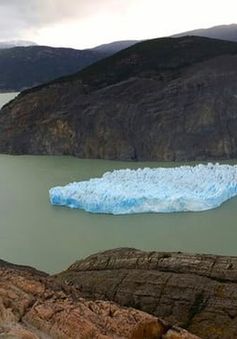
<point x="164" y="190"/>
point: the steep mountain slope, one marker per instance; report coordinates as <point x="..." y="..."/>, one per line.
<point x="224" y="32"/>
<point x="163" y="99"/>
<point x="23" y="67"/>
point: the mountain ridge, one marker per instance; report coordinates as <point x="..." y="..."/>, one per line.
<point x="16" y="43"/>
<point x="23" y="70"/>
<point x="24" y="67"/>
<point x="222" y="32"/>
<point x="116" y="46"/>
<point x="169" y="99"/>
<point x="166" y="48"/>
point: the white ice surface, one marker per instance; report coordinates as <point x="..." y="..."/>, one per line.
<point x="185" y="188"/>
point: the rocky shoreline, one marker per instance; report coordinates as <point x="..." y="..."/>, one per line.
<point x="196" y="292"/>
<point x="34" y="305"/>
<point x="122" y="293"/>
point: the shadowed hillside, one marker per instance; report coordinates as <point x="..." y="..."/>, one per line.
<point x="162" y="99"/>
<point x="23" y="67"/>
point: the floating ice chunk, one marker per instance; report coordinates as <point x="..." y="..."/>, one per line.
<point x="185" y="188"/>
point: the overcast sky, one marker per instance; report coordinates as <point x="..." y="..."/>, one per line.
<point x="87" y="23"/>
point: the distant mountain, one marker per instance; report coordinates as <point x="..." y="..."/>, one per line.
<point x="224" y="32"/>
<point x="171" y="99"/>
<point x="116" y="46"/>
<point x="24" y="67"/>
<point x="16" y="43"/>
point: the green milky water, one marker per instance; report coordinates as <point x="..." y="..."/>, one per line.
<point x="32" y="232"/>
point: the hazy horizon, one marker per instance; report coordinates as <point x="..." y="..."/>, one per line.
<point x="80" y="24"/>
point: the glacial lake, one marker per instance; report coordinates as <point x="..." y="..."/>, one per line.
<point x="32" y="232"/>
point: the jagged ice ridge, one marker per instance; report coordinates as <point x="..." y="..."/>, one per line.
<point x="185" y="188"/>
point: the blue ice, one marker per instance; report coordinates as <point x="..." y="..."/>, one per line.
<point x="164" y="190"/>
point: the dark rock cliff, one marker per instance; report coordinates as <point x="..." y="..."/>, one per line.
<point x="164" y="99"/>
<point x="197" y="292"/>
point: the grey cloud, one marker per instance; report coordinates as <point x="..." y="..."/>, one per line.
<point x="19" y="15"/>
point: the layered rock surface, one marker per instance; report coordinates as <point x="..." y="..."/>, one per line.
<point x="197" y="292"/>
<point x="34" y="306"/>
<point x="164" y="99"/>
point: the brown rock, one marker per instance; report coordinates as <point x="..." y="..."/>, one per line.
<point x="35" y="306"/>
<point x="196" y="292"/>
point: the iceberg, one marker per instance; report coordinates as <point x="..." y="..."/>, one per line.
<point x="164" y="190"/>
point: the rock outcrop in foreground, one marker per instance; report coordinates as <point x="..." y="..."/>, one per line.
<point x="169" y="99"/>
<point x="33" y="305"/>
<point x="197" y="292"/>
